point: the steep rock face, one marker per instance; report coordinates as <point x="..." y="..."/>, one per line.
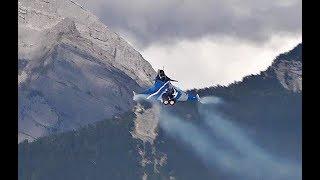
<point x="72" y="69"/>
<point x="287" y="68"/>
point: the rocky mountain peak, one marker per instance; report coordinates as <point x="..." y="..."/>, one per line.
<point x="287" y="68"/>
<point x="73" y="70"/>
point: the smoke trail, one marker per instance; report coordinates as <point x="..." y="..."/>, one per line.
<point x="252" y="157"/>
<point x="227" y="147"/>
<point x="192" y="136"/>
<point x="210" y="100"/>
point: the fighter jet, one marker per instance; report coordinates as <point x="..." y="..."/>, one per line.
<point x="163" y="91"/>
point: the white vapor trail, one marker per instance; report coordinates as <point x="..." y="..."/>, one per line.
<point x="226" y="147"/>
<point x="210" y="100"/>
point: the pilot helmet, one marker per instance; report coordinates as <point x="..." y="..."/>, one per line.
<point x="161" y="73"/>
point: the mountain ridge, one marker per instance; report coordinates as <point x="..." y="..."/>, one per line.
<point x="72" y="69"/>
<point x="285" y="66"/>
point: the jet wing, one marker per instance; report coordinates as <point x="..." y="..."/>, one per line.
<point x="180" y="95"/>
<point x="158" y="88"/>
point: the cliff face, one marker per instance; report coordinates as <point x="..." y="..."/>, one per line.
<point x="287" y="69"/>
<point x="73" y="70"/>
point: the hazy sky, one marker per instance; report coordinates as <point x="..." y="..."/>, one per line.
<point x="206" y="42"/>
